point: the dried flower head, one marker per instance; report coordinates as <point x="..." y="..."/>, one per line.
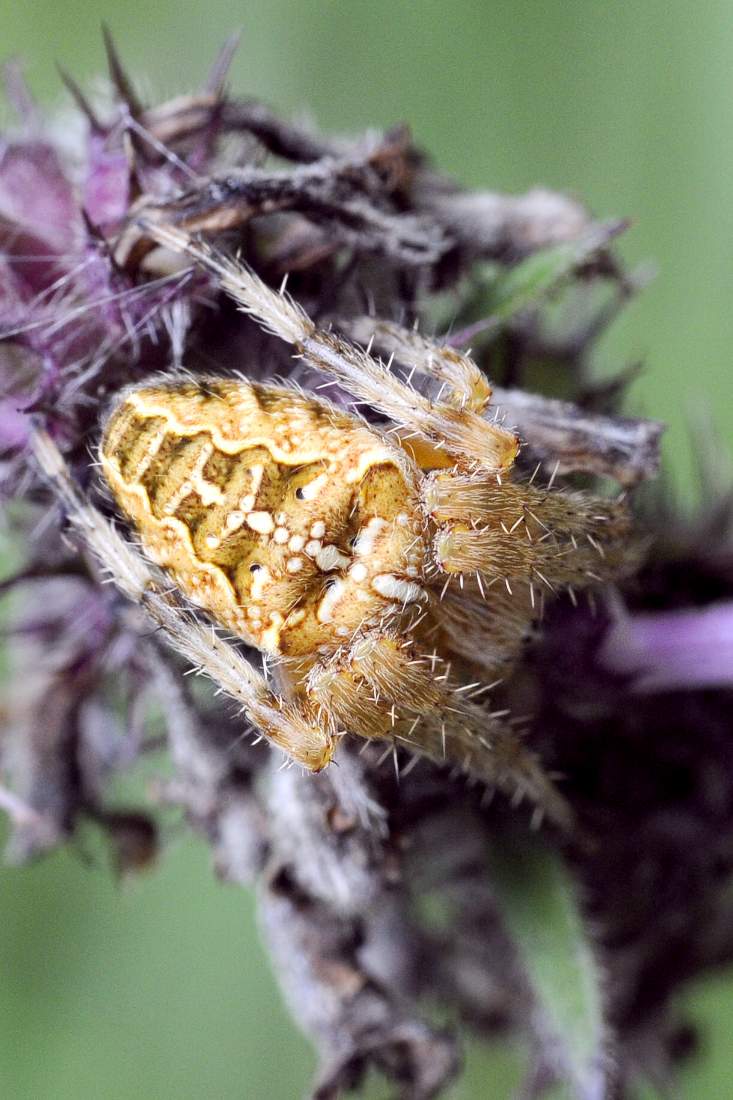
<point x="427" y="547"/>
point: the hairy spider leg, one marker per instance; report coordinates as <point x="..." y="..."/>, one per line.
<point x="516" y="532"/>
<point x="383" y="686"/>
<point x="463" y="384"/>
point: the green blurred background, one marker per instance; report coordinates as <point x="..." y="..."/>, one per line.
<point x="163" y="991"/>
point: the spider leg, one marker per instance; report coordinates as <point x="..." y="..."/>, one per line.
<point x="289" y="725"/>
<point x="482" y="625"/>
<point x="515" y="532"/>
<point x="486" y="747"/>
<point x="460" y="432"/>
<point x="384" y="687"/>
<point x="463" y="384"/>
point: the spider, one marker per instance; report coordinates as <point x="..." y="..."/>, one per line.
<point x="386" y="573"/>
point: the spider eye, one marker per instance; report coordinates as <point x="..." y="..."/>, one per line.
<point x="299" y="494"/>
<point x="255" y="568"/>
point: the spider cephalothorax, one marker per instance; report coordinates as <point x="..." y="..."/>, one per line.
<point x="330" y="544"/>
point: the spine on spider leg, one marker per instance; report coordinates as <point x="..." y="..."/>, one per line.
<point x="456" y="431"/>
<point x="276" y="312"/>
<point x="459" y="497"/>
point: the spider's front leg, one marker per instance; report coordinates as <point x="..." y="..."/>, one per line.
<point x="290" y="725"/>
<point x="383" y="687"/>
<point x="516" y="532"/>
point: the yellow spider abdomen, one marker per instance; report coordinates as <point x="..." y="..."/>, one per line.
<point x="289" y="521"/>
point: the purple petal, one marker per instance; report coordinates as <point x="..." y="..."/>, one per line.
<point x="107" y="188"/>
<point x="21" y="380"/>
<point x="35" y="193"/>
<point x="29" y="266"/>
<point x="13" y="426"/>
<point x="673" y="650"/>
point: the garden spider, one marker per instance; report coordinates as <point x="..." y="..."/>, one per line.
<point x="384" y="573"/>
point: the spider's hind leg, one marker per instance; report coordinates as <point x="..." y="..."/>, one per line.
<point x="488" y="748"/>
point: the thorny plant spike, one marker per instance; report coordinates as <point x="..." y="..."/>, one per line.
<point x="388" y="550"/>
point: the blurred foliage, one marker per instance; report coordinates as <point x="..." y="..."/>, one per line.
<point x="537" y="899"/>
<point x="163" y="990"/>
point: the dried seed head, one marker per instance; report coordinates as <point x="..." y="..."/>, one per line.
<point x="257" y="519"/>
